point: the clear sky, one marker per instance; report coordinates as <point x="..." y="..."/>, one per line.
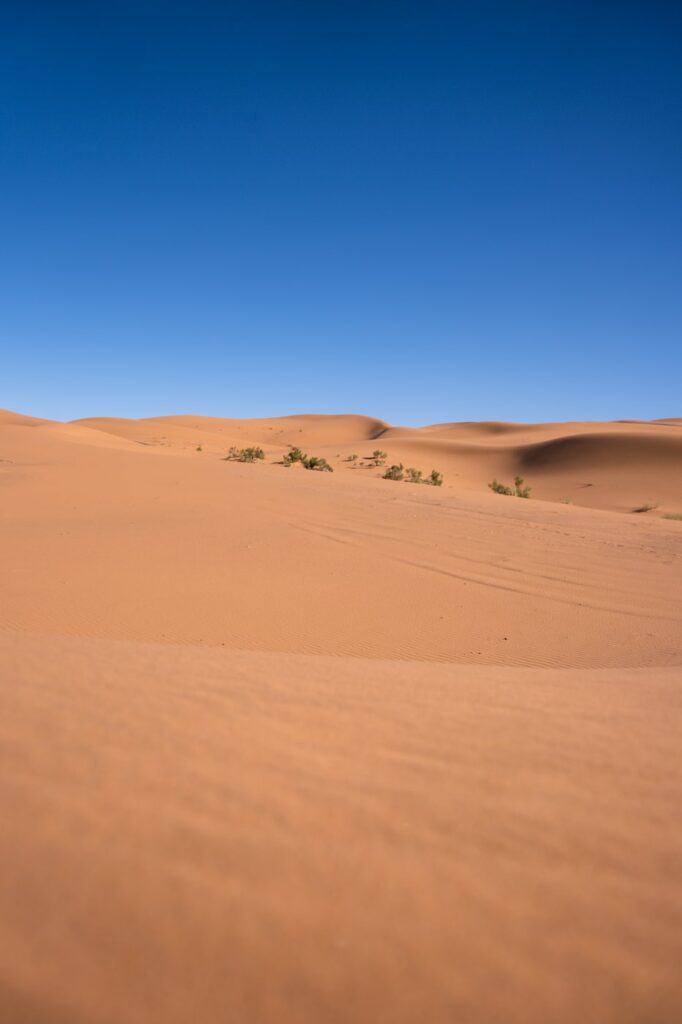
<point x="421" y="211"/>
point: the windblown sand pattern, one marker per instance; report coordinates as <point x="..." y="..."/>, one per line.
<point x="285" y="747"/>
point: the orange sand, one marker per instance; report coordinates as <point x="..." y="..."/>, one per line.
<point x="281" y="747"/>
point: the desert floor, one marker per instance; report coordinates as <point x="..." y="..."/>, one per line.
<point x="287" y="747"/>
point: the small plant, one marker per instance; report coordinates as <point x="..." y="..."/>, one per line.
<point x="294" y="455"/>
<point x="244" y="454"/>
<point x="307" y="461"/>
<point x="394" y="473"/>
<point x="316" y="462"/>
<point x="435" y="479"/>
<point x="645" y="508"/>
<point x="566" y="501"/>
<point x="673" y="515"/>
<point x="518" y="490"/>
<point x="352" y="458"/>
<point x="378" y="458"/>
<point x="413" y="476"/>
<point x="199" y="448"/>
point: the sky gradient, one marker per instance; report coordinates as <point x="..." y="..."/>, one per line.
<point x="419" y="211"/>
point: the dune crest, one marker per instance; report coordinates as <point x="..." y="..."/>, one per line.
<point x="615" y="466"/>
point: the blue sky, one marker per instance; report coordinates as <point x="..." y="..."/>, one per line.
<point x="420" y="211"/>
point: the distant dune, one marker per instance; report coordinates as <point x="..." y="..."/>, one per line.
<point x="287" y="747"/>
<point x="616" y="466"/>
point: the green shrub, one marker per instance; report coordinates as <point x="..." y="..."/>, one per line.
<point x="316" y="462"/>
<point x="244" y="454"/>
<point x="293" y="455"/>
<point x="394" y="473"/>
<point x="435" y="478"/>
<point x="378" y="458"/>
<point x="352" y="458"/>
<point x="518" y="490"/>
<point x="413" y="476"/>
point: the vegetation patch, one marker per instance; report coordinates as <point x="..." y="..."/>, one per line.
<point x="517" y="491"/>
<point x="315" y="462"/>
<point x="244" y="455"/>
<point x="413" y="476"/>
<point x="377" y="458"/>
<point x="292" y="456"/>
<point x="296" y="455"/>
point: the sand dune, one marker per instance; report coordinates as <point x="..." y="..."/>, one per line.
<point x="578" y="452"/>
<point x="218" y="434"/>
<point x="17" y="419"/>
<point x="282" y="746"/>
<point x="617" y="466"/>
<point x="191" y="549"/>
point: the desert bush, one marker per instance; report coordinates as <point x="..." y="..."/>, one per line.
<point x="518" y="490"/>
<point x="199" y="448"/>
<point x="307" y="461"/>
<point x="673" y="515"/>
<point x="244" y="454"/>
<point x="645" y="508"/>
<point x="352" y="458"/>
<point x="293" y="455"/>
<point x="413" y="476"/>
<point x="566" y="501"/>
<point x="394" y="473"/>
<point x="378" y="458"/>
<point x="252" y="454"/>
<point x="435" y="479"/>
<point x="316" y="462"/>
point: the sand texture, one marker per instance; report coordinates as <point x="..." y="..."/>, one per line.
<point x="287" y="747"/>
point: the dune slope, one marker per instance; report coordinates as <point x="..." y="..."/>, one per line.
<point x="618" y="466"/>
<point x="282" y="747"/>
<point x="219" y="835"/>
<point x="106" y="537"/>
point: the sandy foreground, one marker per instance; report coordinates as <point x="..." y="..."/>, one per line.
<point x="284" y="747"/>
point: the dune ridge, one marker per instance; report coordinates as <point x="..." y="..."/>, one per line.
<point x="616" y="466"/>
